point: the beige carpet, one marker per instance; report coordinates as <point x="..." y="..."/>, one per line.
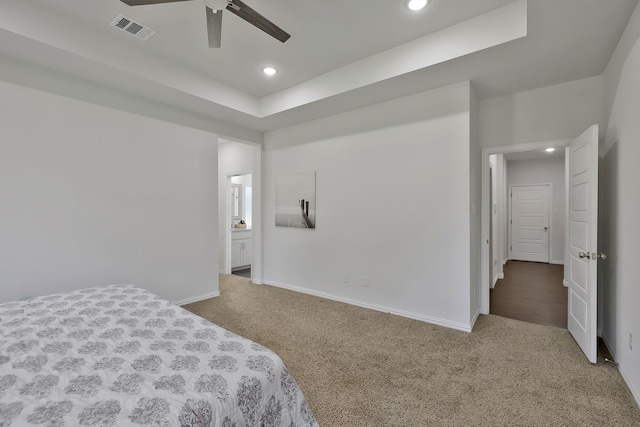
<point x="359" y="367"/>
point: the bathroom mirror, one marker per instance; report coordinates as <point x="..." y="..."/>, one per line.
<point x="236" y="201"/>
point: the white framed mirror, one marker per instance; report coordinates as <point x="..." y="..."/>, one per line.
<point x="236" y="201"/>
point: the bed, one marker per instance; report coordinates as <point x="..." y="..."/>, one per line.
<point x="119" y="355"/>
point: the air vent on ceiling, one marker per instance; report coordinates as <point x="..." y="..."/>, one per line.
<point x="134" y="28"/>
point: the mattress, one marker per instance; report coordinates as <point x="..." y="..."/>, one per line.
<point x="120" y="356"/>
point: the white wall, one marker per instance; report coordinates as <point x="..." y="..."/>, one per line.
<point x="475" y="196"/>
<point x="493" y="223"/>
<point x="619" y="207"/>
<point x="503" y="210"/>
<point x="92" y="195"/>
<point x="393" y="205"/>
<point x="549" y="113"/>
<point x="545" y="171"/>
<point x="48" y="80"/>
<point x="498" y="217"/>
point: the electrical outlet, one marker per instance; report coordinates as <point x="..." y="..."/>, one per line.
<point x="630" y="341"/>
<point x="345" y="278"/>
<point x="365" y="281"/>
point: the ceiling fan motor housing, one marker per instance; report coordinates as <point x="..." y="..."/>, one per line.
<point x="214" y="10"/>
<point x="216" y="4"/>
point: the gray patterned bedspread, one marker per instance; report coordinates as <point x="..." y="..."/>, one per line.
<point x="119" y="355"/>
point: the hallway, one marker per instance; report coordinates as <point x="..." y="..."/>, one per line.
<point x="532" y="292"/>
<point x="246" y="272"/>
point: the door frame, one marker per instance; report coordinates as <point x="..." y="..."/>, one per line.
<point x="492" y="226"/>
<point x="485" y="267"/>
<point x="256" y="206"/>
<point x="227" y="216"/>
<point x="510" y="217"/>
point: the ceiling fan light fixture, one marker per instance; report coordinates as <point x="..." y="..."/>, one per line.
<point x="269" y="71"/>
<point x="216" y="4"/>
<point x="416" y="4"/>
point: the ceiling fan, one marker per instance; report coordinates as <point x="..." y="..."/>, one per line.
<point x="214" y="18"/>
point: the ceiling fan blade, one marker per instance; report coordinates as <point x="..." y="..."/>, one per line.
<point x="214" y="27"/>
<point x="254" y="18"/>
<point x="143" y="2"/>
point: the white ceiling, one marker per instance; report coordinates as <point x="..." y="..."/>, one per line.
<point x="341" y="55"/>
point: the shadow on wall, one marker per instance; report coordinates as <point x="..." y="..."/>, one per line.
<point x="423" y="106"/>
<point x="608" y="240"/>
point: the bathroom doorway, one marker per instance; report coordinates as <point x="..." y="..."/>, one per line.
<point x="239" y="214"/>
<point x="241" y="223"/>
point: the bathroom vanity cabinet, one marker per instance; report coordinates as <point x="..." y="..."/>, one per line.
<point x="241" y="248"/>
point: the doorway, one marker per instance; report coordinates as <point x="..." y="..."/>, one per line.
<point x="531" y="292"/>
<point x="239" y="200"/>
<point x="525" y="229"/>
<point x="581" y="235"/>
<point x="240" y="215"/>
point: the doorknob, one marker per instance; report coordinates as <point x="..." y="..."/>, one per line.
<point x="593" y="255"/>
<point x="545" y="229"/>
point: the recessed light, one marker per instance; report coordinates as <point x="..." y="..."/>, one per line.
<point x="550" y="150"/>
<point x="269" y="71"/>
<point x="416" y="4"/>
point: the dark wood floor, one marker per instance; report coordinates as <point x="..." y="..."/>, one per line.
<point x="532" y="292"/>
<point x="244" y="273"/>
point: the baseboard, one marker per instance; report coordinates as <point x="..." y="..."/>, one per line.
<point x="427" y="319"/>
<point x="611" y="349"/>
<point x="634" y="391"/>
<point x="190" y="300"/>
<point x="556" y="262"/>
<point x="495" y="279"/>
<point x="565" y="283"/>
<point x="475" y="317"/>
<point x="493" y="282"/>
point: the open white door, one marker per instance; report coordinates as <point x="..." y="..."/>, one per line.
<point x="583" y="241"/>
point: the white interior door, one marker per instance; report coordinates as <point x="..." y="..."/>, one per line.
<point x="530" y="223"/>
<point x="583" y="239"/>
